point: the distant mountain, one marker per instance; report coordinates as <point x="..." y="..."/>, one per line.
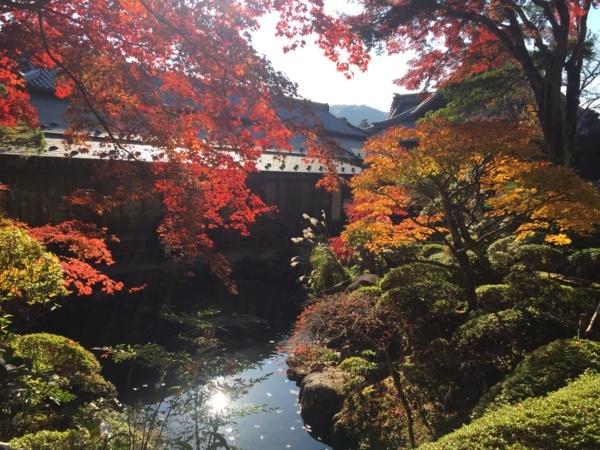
<point x="356" y="113"/>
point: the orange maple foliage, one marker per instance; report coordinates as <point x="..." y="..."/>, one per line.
<point x="81" y="249"/>
<point x="467" y="185"/>
<point x="181" y="78"/>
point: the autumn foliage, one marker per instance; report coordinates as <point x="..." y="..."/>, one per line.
<point x="82" y="251"/>
<point x="182" y="82"/>
<point x="452" y="40"/>
<point x="465" y="186"/>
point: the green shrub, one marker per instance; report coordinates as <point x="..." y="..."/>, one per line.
<point x="418" y="302"/>
<point x="357" y="366"/>
<point x="429" y="250"/>
<point x="506" y="254"/>
<point x="56" y="355"/>
<point x="536" y="257"/>
<point x="546" y="369"/>
<point x="563" y="302"/>
<point x="54" y="440"/>
<point x="585" y="263"/>
<point x="415" y="273"/>
<point x="568" y="419"/>
<point x="501" y="255"/>
<point x="444" y="258"/>
<point x="374" y="417"/>
<point x="508" y="334"/>
<point x="494" y="297"/>
<point x="326" y="269"/>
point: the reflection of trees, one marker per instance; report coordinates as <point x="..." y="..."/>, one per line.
<point x="178" y="409"/>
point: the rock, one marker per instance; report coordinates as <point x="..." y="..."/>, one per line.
<point x="366" y="279"/>
<point x="321" y="398"/>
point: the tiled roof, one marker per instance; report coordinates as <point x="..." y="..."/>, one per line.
<point x="404" y="102"/>
<point x="408" y="117"/>
<point x="38" y="79"/>
<point x="51" y="111"/>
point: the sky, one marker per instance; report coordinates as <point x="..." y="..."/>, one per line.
<point x="319" y="81"/>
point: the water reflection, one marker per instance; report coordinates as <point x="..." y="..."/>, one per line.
<point x="218" y="402"/>
<point x="281" y="426"/>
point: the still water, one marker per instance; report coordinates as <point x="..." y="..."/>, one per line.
<point x="282" y="426"/>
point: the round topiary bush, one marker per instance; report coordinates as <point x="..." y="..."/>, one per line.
<point x="76" y="368"/>
<point x="585" y="263"/>
<point x="546" y="369"/>
<point x="565" y="419"/>
<point x="508" y="334"/>
<point x="415" y="273"/>
<point x="494" y="297"/>
<point x="539" y="257"/>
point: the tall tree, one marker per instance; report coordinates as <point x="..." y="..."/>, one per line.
<point x="454" y="39"/>
<point x="179" y="76"/>
<point x="464" y="185"/>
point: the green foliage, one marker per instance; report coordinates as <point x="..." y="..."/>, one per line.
<point x="565" y="419"/>
<point x="357" y="367"/>
<point x="45" y="381"/>
<point x="414" y="274"/>
<point x="27" y="270"/>
<point x="495" y="297"/>
<point x="546" y="369"/>
<point x="508" y="253"/>
<point x="565" y="303"/>
<point x="537" y="257"/>
<point x="72" y="366"/>
<point x="327" y="271"/>
<point x="421" y="291"/>
<point x="500" y="254"/>
<point x="374" y="417"/>
<point x="508" y="334"/>
<point x="54" y="440"/>
<point x="497" y="93"/>
<point x="429" y="250"/>
<point x="585" y="263"/>
<point x="23" y="137"/>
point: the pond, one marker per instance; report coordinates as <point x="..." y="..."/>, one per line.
<point x="265" y="291"/>
<point x="281" y="427"/>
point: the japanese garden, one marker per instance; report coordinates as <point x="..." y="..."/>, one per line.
<point x="193" y="256"/>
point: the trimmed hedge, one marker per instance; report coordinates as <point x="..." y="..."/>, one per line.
<point x="509" y="334"/>
<point x="75" y="366"/>
<point x="414" y="273"/>
<point x="568" y="419"/>
<point x="546" y="369"/>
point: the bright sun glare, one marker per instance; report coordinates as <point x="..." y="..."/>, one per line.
<point x="218" y="402"/>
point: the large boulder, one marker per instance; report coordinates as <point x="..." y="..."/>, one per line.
<point x="321" y="398"/>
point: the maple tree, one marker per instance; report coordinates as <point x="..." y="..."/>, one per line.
<point x="455" y="39"/>
<point x="464" y="185"/>
<point x="39" y="264"/>
<point x="180" y="78"/>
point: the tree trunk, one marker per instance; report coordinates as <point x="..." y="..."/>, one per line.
<point x="467" y="278"/>
<point x="459" y="250"/>
<point x="403" y="399"/>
